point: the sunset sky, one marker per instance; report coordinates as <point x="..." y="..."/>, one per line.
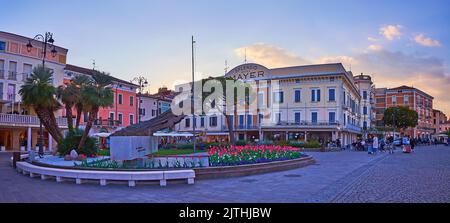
<point x="399" y="42"/>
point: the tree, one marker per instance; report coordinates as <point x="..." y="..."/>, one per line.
<point x="400" y="117"/>
<point x="96" y="94"/>
<point x="213" y="102"/>
<point x="79" y="82"/>
<point x="39" y="93"/>
<point x="68" y="96"/>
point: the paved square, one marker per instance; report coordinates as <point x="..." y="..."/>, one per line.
<point x="337" y="177"/>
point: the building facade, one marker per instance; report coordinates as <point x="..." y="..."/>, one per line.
<point x="413" y="98"/>
<point x="367" y="108"/>
<point x="123" y="111"/>
<point x="439" y="119"/>
<point x="19" y="125"/>
<point x="301" y="103"/>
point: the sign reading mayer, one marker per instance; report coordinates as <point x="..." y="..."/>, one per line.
<point x="248" y="71"/>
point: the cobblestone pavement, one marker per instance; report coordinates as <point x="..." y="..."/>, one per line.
<point x="336" y="177"/>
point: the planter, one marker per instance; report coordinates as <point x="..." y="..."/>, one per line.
<point x="251" y="169"/>
<point x="22" y="148"/>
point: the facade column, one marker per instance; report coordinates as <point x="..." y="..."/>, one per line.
<point x="287" y="136"/>
<point x="50" y="142"/>
<point x="306" y="136"/>
<point x="29" y="139"/>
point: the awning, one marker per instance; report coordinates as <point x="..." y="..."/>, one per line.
<point x="173" y="134"/>
<point x="102" y="134"/>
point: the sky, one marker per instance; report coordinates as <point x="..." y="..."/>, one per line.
<point x="399" y="42"/>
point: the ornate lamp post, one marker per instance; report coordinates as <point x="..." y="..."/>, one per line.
<point x="47" y="42"/>
<point x="142" y="82"/>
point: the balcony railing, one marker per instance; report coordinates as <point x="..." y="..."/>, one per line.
<point x="12" y="75"/>
<point x="26" y="119"/>
<point x="107" y="123"/>
<point x="11" y="97"/>
<point x="304" y="124"/>
<point x="353" y="127"/>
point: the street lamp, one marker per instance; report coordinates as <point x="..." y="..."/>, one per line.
<point x="47" y="41"/>
<point x="142" y="82"/>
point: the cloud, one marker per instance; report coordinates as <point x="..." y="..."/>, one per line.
<point x="374" y="47"/>
<point x="393" y="69"/>
<point x="345" y="60"/>
<point x="391" y="32"/>
<point x="371" y="39"/>
<point x="389" y="68"/>
<point x="270" y="56"/>
<point x="426" y="41"/>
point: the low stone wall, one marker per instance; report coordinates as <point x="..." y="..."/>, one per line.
<point x="251" y="169"/>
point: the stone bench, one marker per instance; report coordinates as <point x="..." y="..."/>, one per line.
<point x="104" y="176"/>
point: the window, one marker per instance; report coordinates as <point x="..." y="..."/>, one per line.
<point x="231" y="117"/>
<point x="406" y="99"/>
<point x="278" y="117"/>
<point x="314" y="117"/>
<point x="142" y="111"/>
<point x="261" y="99"/>
<point x="153" y="112"/>
<point x="297" y="95"/>
<point x="131" y="119"/>
<point x="213" y="121"/>
<point x="131" y="100"/>
<point x="332" y="117"/>
<point x="343" y="102"/>
<point x="241" y="120"/>
<point x="120" y="99"/>
<point x="278" y="97"/>
<point x="364" y="110"/>
<point x="315" y="95"/>
<point x="111" y="115"/>
<point x="187" y="123"/>
<point x="297" y="117"/>
<point x="365" y="125"/>
<point x="27" y="69"/>
<point x="120" y="118"/>
<point x="331" y="94"/>
<point x="2" y="46"/>
<point x="249" y="120"/>
<point x="394" y="100"/>
<point x="365" y="95"/>
<point x="260" y="117"/>
<point x="202" y="121"/>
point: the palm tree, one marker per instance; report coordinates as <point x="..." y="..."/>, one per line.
<point x="78" y="83"/>
<point x="95" y="95"/>
<point x="39" y="93"/>
<point x="68" y="96"/>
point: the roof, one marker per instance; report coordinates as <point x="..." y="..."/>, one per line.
<point x="87" y="71"/>
<point x="404" y="87"/>
<point x="155" y="96"/>
<point x="26" y="39"/>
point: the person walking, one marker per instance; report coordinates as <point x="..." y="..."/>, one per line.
<point x="375" y="144"/>
<point x="413" y="143"/>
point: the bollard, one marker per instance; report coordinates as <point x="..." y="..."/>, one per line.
<point x="16" y="157"/>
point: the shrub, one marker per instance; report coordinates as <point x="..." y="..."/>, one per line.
<point x="185" y="146"/>
<point x="241" y="143"/>
<point x="71" y="141"/>
<point x="265" y="142"/>
<point x="297" y="144"/>
<point x="103" y="152"/>
<point x="312" y="144"/>
<point x="281" y="143"/>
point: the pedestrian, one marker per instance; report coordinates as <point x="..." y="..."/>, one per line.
<point x="375" y="144"/>
<point x="413" y="143"/>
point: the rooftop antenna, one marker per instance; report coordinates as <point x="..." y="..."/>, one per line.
<point x="93" y="64"/>
<point x="226" y="66"/>
<point x="245" y="55"/>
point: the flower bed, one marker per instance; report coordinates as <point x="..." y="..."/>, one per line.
<point x="239" y="155"/>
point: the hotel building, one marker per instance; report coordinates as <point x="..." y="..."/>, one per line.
<point x="314" y="102"/>
<point x="19" y="125"/>
<point x="413" y="98"/>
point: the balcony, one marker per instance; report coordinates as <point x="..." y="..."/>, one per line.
<point x="316" y="124"/>
<point x="246" y="127"/>
<point x="107" y="123"/>
<point x="12" y="75"/>
<point x="26" y="120"/>
<point x="353" y="128"/>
